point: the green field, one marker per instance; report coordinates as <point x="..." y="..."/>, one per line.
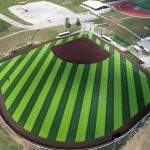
<point x="137" y="25"/>
<point x="6" y="28"/>
<point x="141" y="3"/>
<point x="113" y="14"/>
<point x="60" y="101"/>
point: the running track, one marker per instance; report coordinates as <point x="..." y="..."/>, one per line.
<point x="125" y="9"/>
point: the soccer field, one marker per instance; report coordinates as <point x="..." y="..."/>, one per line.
<point x="64" y="102"/>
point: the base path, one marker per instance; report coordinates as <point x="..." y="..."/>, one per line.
<point x="130" y="10"/>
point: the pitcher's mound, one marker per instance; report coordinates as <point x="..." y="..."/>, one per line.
<point x="80" y="51"/>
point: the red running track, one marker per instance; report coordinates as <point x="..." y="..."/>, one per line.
<point x="129" y="10"/>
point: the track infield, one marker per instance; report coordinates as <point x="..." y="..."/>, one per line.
<point x="131" y="10"/>
<point x="65" y="105"/>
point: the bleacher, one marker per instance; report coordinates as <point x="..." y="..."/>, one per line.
<point x="23" y="48"/>
<point x="19" y="50"/>
<point x="120" y="41"/>
<point x="134" y="57"/>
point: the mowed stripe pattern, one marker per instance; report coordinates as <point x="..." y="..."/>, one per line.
<point x="61" y="101"/>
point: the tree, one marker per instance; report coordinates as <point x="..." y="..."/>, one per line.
<point x="78" y="23"/>
<point x="67" y="23"/>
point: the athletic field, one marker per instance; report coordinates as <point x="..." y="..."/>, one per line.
<point x="57" y="101"/>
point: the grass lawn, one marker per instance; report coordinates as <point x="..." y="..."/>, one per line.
<point x="6" y="28"/>
<point x="6" y="142"/>
<point x="98" y="21"/>
<point x="137" y="25"/>
<point x="61" y="101"/>
<point x="119" y="31"/>
<point x="21" y="39"/>
<point x="113" y="14"/>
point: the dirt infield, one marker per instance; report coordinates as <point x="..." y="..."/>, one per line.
<point x="80" y="51"/>
<point x="129" y="10"/>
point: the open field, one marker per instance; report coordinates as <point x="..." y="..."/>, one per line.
<point x="137" y="25"/>
<point x="61" y="101"/>
<point x="23" y="38"/>
<point x="117" y="30"/>
<point x="113" y="14"/>
<point x="6" y="28"/>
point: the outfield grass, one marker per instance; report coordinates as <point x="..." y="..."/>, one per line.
<point x="61" y="101"/>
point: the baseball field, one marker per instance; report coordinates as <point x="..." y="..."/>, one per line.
<point x="53" y="100"/>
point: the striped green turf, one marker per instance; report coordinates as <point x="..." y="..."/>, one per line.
<point x="33" y="86"/>
<point x="78" y="105"/>
<point x="39" y="121"/>
<point x="132" y="91"/>
<point x="61" y="101"/>
<point x="25" y="92"/>
<point x="13" y="78"/>
<point x="3" y="65"/>
<point x="110" y="96"/>
<point x="117" y="92"/>
<point x="125" y="95"/>
<point x="84" y="115"/>
<point x="22" y="81"/>
<point x="7" y="69"/>
<point x="66" y="119"/>
<point x="55" y="102"/>
<point x="138" y="86"/>
<point x="101" y="111"/>
<point x="38" y="96"/>
<point x="145" y="87"/>
<point x="90" y="134"/>
<point x="61" y="108"/>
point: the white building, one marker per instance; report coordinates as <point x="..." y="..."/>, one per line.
<point x="96" y="5"/>
<point x="145" y="44"/>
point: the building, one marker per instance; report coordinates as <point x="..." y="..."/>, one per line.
<point x="145" y="44"/>
<point x="96" y="5"/>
